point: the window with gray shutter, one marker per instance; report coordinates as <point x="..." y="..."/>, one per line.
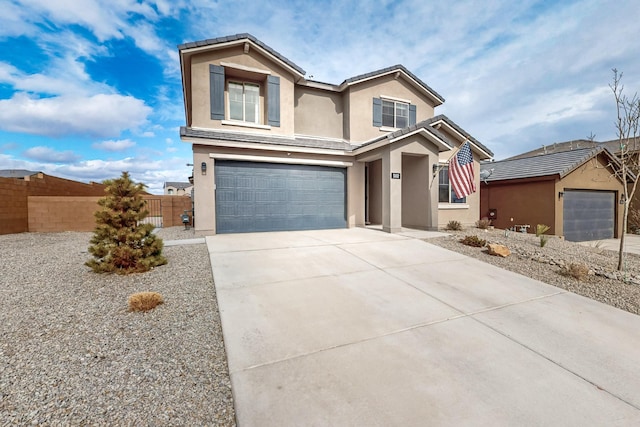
<point x="216" y="89"/>
<point x="273" y="100"/>
<point x="377" y="112"/>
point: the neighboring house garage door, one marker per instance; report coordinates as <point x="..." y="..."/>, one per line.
<point x="278" y="197"/>
<point x="589" y="215"/>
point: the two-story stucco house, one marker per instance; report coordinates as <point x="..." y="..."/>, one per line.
<point x="273" y="150"/>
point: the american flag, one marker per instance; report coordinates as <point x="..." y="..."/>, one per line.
<point x="461" y="174"/>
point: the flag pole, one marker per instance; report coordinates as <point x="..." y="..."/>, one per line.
<point x="433" y="178"/>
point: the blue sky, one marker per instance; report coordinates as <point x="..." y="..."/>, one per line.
<point x="91" y="88"/>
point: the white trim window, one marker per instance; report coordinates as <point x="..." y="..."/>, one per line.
<point x="395" y="114"/>
<point x="244" y="102"/>
<point x="445" y="192"/>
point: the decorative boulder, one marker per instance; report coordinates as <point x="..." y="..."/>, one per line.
<point x="498" y="250"/>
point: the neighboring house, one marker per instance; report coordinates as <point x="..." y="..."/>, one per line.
<point x="17" y="173"/>
<point x="178" y="188"/>
<point x="273" y="150"/>
<point x="576" y="193"/>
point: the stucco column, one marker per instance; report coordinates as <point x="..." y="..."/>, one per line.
<point x="391" y="191"/>
<point x="433" y="193"/>
<point x="355" y="195"/>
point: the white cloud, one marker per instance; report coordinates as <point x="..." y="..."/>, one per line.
<point x="49" y="155"/>
<point x="98" y="115"/>
<point x="111" y="145"/>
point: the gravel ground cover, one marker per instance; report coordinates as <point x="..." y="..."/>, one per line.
<point x="72" y="354"/>
<point x="603" y="283"/>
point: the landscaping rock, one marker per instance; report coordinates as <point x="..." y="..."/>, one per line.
<point x="498" y="250"/>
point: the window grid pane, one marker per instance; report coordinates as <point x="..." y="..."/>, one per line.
<point x="235" y="101"/>
<point x="244" y="102"/>
<point x="388" y="114"/>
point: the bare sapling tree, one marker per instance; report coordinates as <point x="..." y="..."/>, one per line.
<point x="627" y="123"/>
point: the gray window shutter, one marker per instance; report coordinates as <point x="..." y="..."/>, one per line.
<point x="377" y="112"/>
<point x="412" y="115"/>
<point x="273" y="100"/>
<point x="216" y="91"/>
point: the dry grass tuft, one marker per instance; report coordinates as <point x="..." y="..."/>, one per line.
<point x="144" y="301"/>
<point x="576" y="270"/>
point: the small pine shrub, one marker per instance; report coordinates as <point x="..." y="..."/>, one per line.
<point x="121" y="243"/>
<point x="576" y="270"/>
<point x="474" y="241"/>
<point x="144" y="301"/>
<point x="454" y="225"/>
<point x="483" y="223"/>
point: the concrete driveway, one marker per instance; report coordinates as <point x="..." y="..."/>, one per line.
<point x="363" y="328"/>
<point x="631" y="244"/>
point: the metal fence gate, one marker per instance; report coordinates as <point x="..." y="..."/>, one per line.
<point x="154" y="206"/>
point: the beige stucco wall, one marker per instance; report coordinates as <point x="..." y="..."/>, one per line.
<point x="200" y="90"/>
<point x="593" y="175"/>
<point x="375" y="192"/>
<point x="318" y="112"/>
<point x="360" y="105"/>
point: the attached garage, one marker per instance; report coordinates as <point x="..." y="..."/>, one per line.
<point x="589" y="215"/>
<point x="255" y="197"/>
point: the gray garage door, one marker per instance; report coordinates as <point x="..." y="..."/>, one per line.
<point x="278" y="197"/>
<point x="589" y="215"/>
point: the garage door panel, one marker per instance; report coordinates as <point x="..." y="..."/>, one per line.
<point x="269" y="197"/>
<point x="588" y="215"/>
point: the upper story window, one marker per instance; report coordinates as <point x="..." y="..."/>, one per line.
<point x="445" y="192"/>
<point x="395" y="114"/>
<point x="170" y="191"/>
<point x="389" y="113"/>
<point x="244" y="102"/>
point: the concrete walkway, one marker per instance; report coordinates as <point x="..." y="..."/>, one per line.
<point x="631" y="244"/>
<point x="362" y="328"/>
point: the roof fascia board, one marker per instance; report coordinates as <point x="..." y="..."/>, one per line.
<point x="319" y="85"/>
<point x="263" y="51"/>
<point x="462" y="137"/>
<point x="262" y="146"/>
<point x="431" y="96"/>
<point x="428" y="135"/>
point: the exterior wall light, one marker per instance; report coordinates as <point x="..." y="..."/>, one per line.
<point x="560" y="194"/>
<point x="203" y="167"/>
<point x="623" y="199"/>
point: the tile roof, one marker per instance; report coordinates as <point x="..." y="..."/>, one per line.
<point x="16" y="173"/>
<point x="397" y="67"/>
<point x="560" y="163"/>
<point x="326" y="143"/>
<point x="178" y="185"/>
<point x="241" y="36"/>
<point x="297" y="141"/>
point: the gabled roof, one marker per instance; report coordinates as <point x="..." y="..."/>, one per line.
<point x="560" y="164"/>
<point x="576" y="144"/>
<point x="16" y="173"/>
<point x="178" y="185"/>
<point x="239" y="39"/>
<point x="435" y="96"/>
<point x="430" y="127"/>
<point x="475" y="144"/>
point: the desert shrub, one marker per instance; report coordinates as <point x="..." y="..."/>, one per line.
<point x="543" y="240"/>
<point x="120" y="243"/>
<point x="541" y="229"/>
<point x="144" y="301"/>
<point x="474" y="241"/>
<point x="483" y="223"/>
<point x="576" y="270"/>
<point x="454" y="225"/>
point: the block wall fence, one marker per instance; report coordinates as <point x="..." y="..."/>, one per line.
<point x="42" y="203"/>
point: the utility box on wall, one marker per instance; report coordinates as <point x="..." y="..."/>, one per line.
<point x="493" y="214"/>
